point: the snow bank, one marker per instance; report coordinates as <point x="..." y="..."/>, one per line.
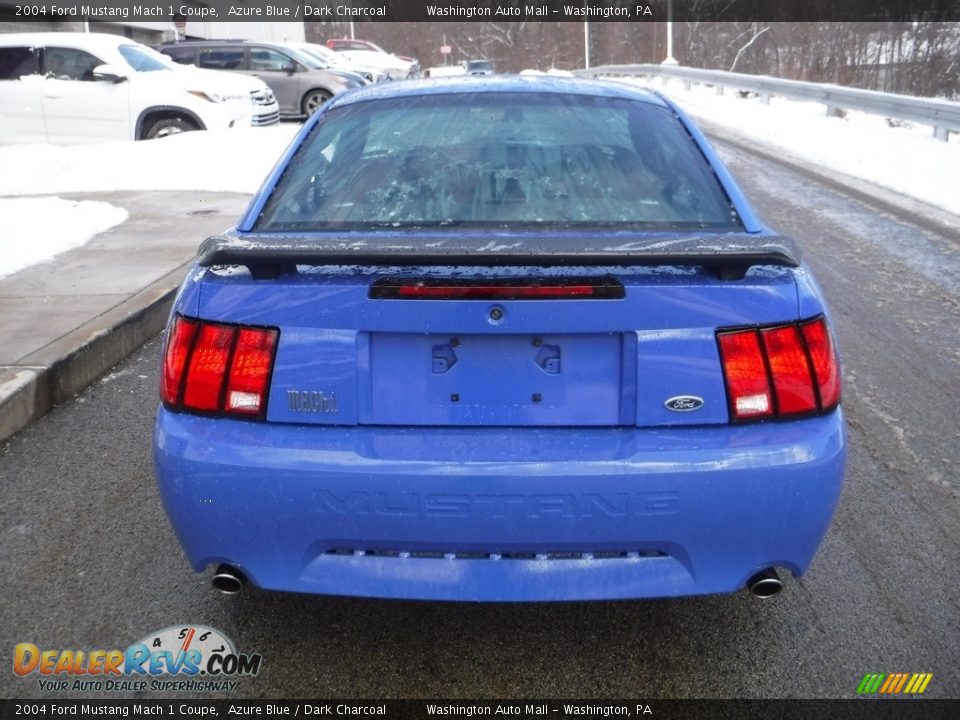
<point x="36" y="229"/>
<point x="905" y="159"/>
<point x="229" y="160"/>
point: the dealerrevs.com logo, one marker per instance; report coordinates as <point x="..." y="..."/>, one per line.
<point x="185" y="658"/>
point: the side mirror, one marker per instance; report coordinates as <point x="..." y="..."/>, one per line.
<point x="109" y="73"/>
<point x="290" y="68"/>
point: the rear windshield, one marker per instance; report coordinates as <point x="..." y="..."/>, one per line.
<point x="503" y="159"/>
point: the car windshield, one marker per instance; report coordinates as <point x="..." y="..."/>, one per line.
<point x="143" y="59"/>
<point x="306" y="58"/>
<point x="314" y="58"/>
<point x="324" y="53"/>
<point x="479" y="65"/>
<point x="510" y="159"/>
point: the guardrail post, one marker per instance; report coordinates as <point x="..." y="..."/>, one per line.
<point x="686" y="85"/>
<point x="719" y="89"/>
<point x="765" y="98"/>
<point x="941" y="133"/>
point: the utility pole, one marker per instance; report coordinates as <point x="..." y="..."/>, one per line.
<point x="670" y="59"/>
<point x="586" y="45"/>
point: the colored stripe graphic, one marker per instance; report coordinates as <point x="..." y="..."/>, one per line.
<point x="890" y="682"/>
<point x="871" y="683"/>
<point x="913" y="683"/>
<point x="894" y="683"/>
<point x="865" y="683"/>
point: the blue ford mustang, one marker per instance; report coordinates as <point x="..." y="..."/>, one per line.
<point x="506" y="339"/>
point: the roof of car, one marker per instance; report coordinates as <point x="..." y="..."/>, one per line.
<point x="499" y="83"/>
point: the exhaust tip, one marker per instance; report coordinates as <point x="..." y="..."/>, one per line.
<point x="765" y="583"/>
<point x="229" y="580"/>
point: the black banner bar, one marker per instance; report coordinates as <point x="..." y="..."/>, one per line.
<point x="872" y="708"/>
<point x="486" y="10"/>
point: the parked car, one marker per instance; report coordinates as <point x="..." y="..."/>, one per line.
<point x="478" y="67"/>
<point x="312" y="61"/>
<point x="300" y="88"/>
<point x="82" y="87"/>
<point x="369" y="54"/>
<point x="500" y="339"/>
<point x="339" y="61"/>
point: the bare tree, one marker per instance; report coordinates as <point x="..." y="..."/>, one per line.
<point x="756" y="33"/>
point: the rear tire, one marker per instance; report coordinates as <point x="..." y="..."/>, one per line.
<point x="165" y="127"/>
<point x="313" y="100"/>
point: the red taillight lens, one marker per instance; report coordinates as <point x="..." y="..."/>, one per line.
<point x="250" y="371"/>
<point x="790" y="370"/>
<point x="781" y="372"/>
<point x="179" y="343"/>
<point x="218" y="368"/>
<point x="208" y="367"/>
<point x="747" y="386"/>
<point x="824" y="358"/>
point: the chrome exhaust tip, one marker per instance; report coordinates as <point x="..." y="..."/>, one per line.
<point x="765" y="583"/>
<point x="229" y="580"/>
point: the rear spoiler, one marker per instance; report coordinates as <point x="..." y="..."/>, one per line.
<point x="730" y="255"/>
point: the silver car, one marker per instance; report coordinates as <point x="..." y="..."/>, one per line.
<point x="300" y="89"/>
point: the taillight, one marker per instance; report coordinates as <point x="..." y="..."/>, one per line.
<point x="179" y="342"/>
<point x="250" y="371"/>
<point x="781" y="371"/>
<point x="218" y="368"/>
<point x="746" y="374"/>
<point x="207" y="368"/>
<point x="823" y="356"/>
<point x="790" y="370"/>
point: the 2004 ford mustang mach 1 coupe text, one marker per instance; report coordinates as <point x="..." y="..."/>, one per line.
<point x="500" y="339"/>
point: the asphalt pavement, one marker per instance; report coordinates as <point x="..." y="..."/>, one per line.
<point x="90" y="561"/>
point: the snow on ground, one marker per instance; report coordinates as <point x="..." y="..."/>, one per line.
<point x="906" y="159"/>
<point x="36" y="229"/>
<point x="230" y="160"/>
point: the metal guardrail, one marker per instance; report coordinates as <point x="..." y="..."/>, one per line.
<point x="943" y="115"/>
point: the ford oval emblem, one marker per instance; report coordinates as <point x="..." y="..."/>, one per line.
<point x="684" y="403"/>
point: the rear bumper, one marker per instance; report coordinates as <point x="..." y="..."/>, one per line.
<point x="499" y="514"/>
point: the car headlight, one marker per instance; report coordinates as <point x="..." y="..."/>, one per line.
<point x="211" y="96"/>
<point x="215" y="97"/>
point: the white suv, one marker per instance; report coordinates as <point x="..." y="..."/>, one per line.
<point x="85" y="87"/>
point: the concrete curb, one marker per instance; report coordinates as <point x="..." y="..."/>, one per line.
<point x="65" y="367"/>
